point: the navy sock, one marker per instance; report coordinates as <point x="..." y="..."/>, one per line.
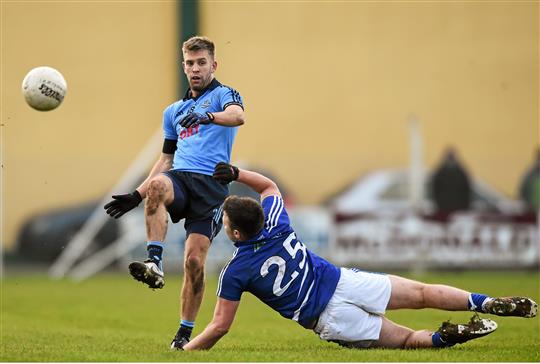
<point x="476" y="302"/>
<point x="155" y="252"/>
<point x="438" y="342"/>
<point x="186" y="328"/>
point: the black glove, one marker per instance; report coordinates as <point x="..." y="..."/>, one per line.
<point x="123" y="203"/>
<point x="196" y="118"/>
<point x="225" y="173"/>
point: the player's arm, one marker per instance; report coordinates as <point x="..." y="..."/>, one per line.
<point x="226" y="173"/>
<point x="224" y="314"/>
<point x="258" y="183"/>
<point x="233" y="115"/>
<point x="121" y="204"/>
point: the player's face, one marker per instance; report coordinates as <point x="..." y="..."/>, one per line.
<point x="199" y="68"/>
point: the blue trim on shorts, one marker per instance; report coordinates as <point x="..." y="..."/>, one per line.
<point x="356" y="270"/>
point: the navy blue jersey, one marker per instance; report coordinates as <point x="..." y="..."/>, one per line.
<point x="201" y="147"/>
<point x="278" y="269"/>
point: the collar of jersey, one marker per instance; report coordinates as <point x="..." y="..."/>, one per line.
<point x="212" y="85"/>
<point x="259" y="238"/>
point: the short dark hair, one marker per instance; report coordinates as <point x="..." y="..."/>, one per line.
<point x="198" y="43"/>
<point x="245" y="215"/>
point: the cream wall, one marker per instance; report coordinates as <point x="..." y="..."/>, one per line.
<point x="329" y="86"/>
<point x="119" y="60"/>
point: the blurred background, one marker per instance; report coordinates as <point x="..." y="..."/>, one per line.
<point x="405" y="134"/>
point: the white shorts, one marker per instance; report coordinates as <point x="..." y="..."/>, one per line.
<point x="354" y="311"/>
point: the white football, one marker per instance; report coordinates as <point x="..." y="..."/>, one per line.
<point x="44" y="88"/>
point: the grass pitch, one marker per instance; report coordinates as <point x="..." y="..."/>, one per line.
<point x="114" y="318"/>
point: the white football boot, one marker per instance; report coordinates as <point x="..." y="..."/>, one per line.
<point x="512" y="306"/>
<point x="147" y="272"/>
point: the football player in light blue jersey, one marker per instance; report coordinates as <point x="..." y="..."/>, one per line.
<point x="199" y="131"/>
<point x="342" y="305"/>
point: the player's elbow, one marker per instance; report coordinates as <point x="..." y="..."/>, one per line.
<point x="269" y="188"/>
<point x="234" y="116"/>
<point x="241" y="118"/>
<point x="221" y="329"/>
<point x="222" y="325"/>
<point x="239" y="115"/>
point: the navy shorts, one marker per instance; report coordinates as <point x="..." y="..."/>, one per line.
<point x="198" y="198"/>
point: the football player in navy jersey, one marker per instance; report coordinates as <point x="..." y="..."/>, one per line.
<point x="342" y="305"/>
<point x="199" y="131"/>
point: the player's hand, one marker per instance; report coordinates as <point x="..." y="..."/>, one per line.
<point x="196" y="118"/>
<point x="123" y="203"/>
<point x="225" y="173"/>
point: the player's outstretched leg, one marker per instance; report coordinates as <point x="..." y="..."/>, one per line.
<point x="395" y="336"/>
<point x="407" y="293"/>
<point x="158" y="196"/>
<point x="450" y="334"/>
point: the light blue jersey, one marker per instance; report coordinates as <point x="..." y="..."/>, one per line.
<point x="201" y="147"/>
<point x="279" y="270"/>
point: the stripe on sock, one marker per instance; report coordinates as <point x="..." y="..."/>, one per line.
<point x="156" y="243"/>
<point x="477" y="301"/>
<point x="438" y="342"/>
<point x="471" y="304"/>
<point x="187" y="323"/>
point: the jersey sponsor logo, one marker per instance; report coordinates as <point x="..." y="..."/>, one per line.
<point x="187" y="132"/>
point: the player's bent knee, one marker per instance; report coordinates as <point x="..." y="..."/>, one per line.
<point x="157" y="195"/>
<point x="221" y="331"/>
<point x="157" y="189"/>
<point x="418" y="295"/>
<point x="194" y="265"/>
<point x="422" y="295"/>
<point x="406" y="293"/>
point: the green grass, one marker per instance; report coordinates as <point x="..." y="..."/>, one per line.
<point x="113" y="318"/>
